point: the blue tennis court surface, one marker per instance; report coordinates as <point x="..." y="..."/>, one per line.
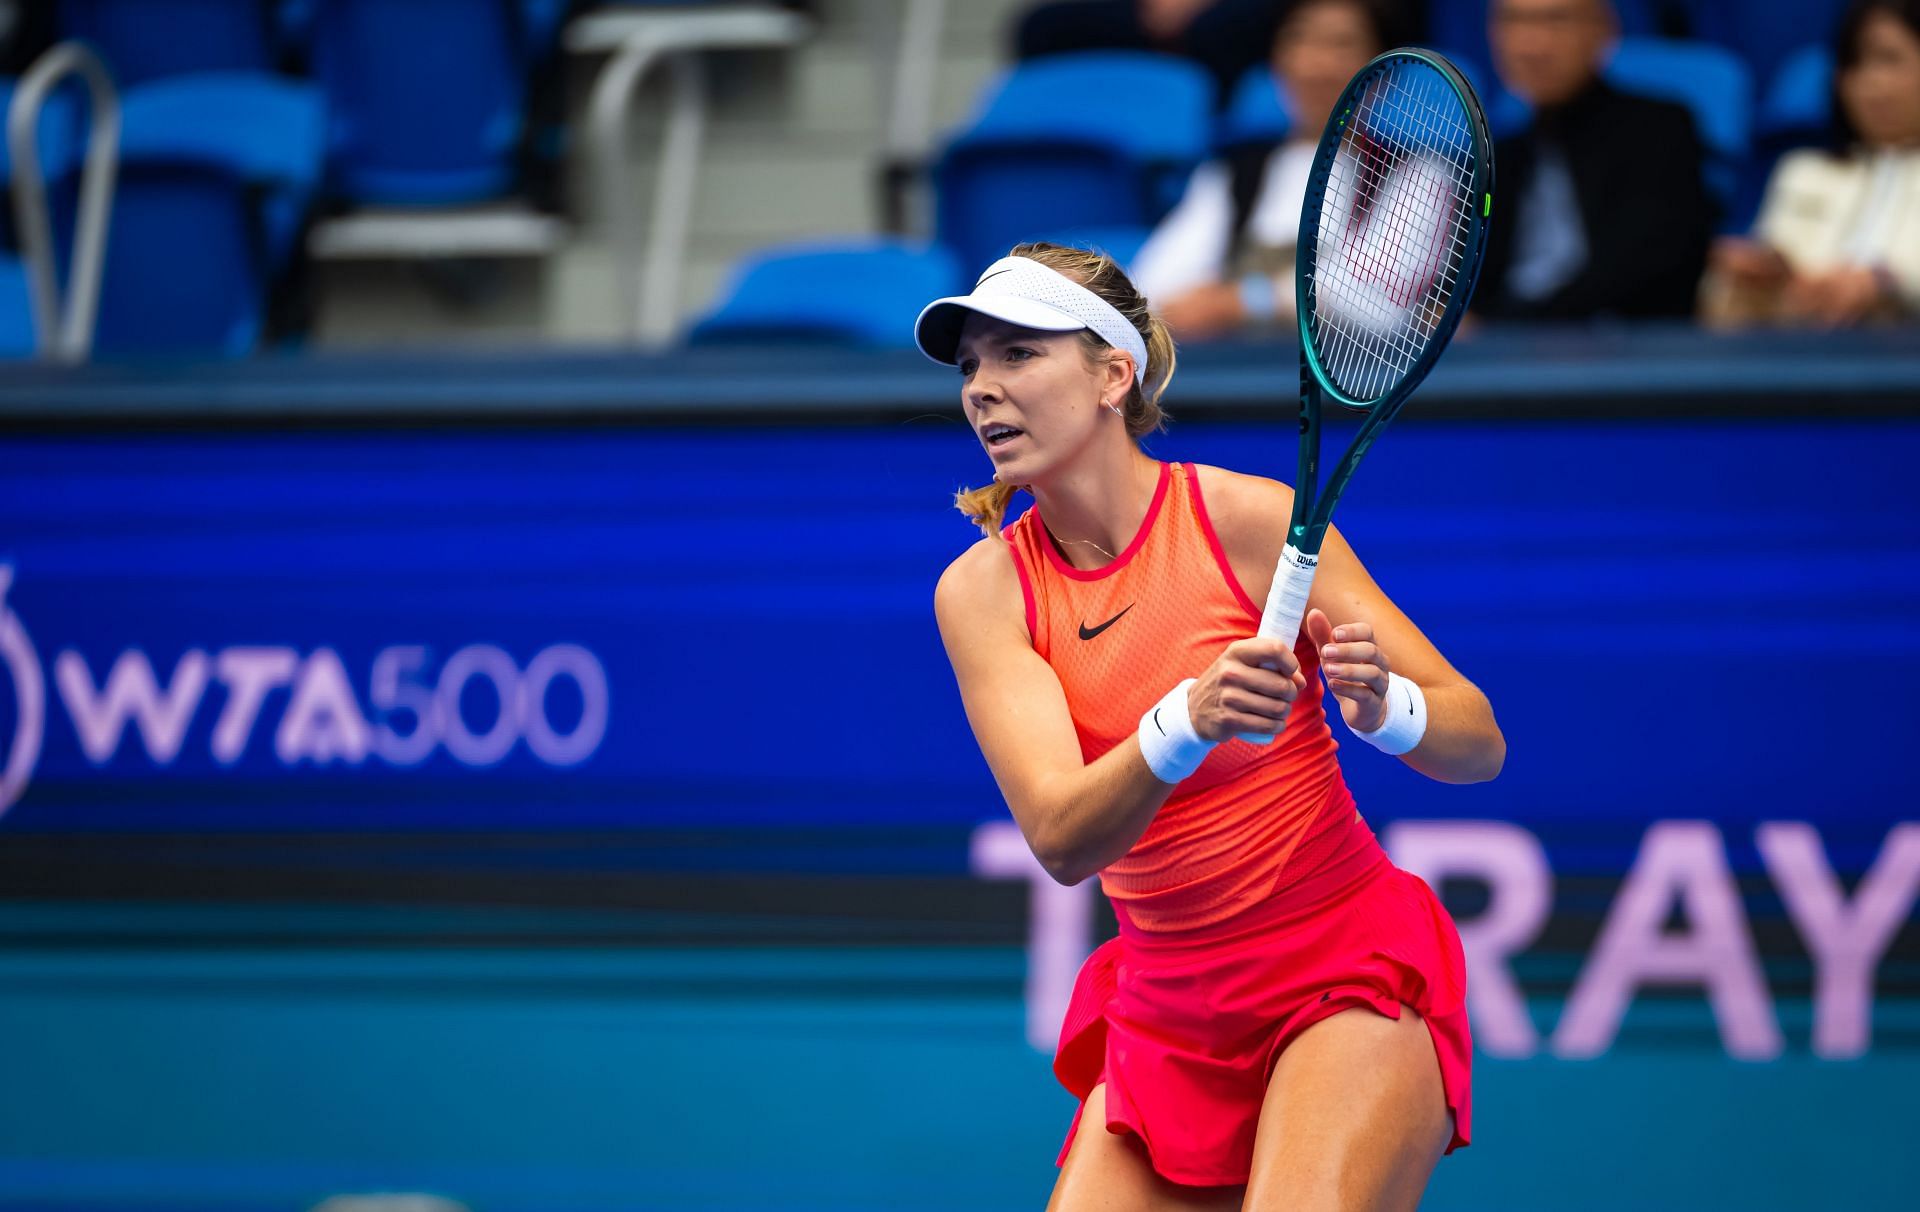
<point x="792" y="1078"/>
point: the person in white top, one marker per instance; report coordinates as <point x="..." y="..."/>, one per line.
<point x="1837" y="242"/>
<point x="1222" y="259"/>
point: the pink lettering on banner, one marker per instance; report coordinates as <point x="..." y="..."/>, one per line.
<point x="1509" y="860"/>
<point x="323" y="721"/>
<point x="249" y="674"/>
<point x="1060" y="935"/>
<point x="1680" y="865"/>
<point x="131" y="692"/>
<point x="1684" y="863"/>
<point x="1845" y="938"/>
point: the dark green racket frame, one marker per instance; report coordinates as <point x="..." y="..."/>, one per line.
<point x="1313" y="507"/>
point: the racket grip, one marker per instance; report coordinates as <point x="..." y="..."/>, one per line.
<point x="1286" y="606"/>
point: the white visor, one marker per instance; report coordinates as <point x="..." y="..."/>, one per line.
<point x="1026" y="293"/>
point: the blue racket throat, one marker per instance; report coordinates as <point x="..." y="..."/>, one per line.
<point x="1392" y="235"/>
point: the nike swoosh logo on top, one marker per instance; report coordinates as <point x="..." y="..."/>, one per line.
<point x="1087" y="633"/>
<point x="996" y="273"/>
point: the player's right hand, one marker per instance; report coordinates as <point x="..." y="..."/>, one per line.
<point x="1250" y="688"/>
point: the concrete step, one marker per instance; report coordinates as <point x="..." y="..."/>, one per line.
<point x="820" y="89"/>
<point x="823" y="92"/>
<point x="583" y="296"/>
<point x="757" y="188"/>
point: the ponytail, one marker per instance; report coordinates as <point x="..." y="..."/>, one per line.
<point x="986" y="507"/>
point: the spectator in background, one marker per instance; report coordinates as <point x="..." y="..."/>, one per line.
<point x="1224" y="36"/>
<point x="1222" y="260"/>
<point x="1599" y="206"/>
<point x="1838" y="237"/>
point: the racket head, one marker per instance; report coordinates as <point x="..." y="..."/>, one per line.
<point x="1394" y="228"/>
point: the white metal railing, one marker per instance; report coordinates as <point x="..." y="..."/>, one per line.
<point x="915" y="74"/>
<point x="64" y="333"/>
<point x="648" y="263"/>
<point x="910" y="88"/>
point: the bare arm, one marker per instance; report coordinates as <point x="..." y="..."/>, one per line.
<point x="1363" y="636"/>
<point x="1077" y="816"/>
<point x="1368" y="634"/>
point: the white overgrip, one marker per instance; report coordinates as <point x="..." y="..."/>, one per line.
<point x="1286" y="606"/>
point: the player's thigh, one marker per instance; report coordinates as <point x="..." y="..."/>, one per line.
<point x="1355" y="1117"/>
<point x="1110" y="1173"/>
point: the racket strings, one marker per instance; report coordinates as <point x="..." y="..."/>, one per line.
<point x="1393" y="229"/>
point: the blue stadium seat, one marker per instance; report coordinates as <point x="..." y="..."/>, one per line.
<point x="216" y="174"/>
<point x="1710" y="81"/>
<point x="16" y="310"/>
<point x="1257" y="112"/>
<point x="143" y="40"/>
<point x="860" y="293"/>
<point x="427" y="97"/>
<point x="1798" y="105"/>
<point x="1122" y="243"/>
<point x="1098" y="139"/>
<point x="1764" y="33"/>
<point x="1795" y="111"/>
<point x="540" y="20"/>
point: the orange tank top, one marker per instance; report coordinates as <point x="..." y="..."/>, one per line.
<point x="1118" y="637"/>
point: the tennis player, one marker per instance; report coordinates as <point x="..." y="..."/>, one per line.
<point x="1281" y="1022"/>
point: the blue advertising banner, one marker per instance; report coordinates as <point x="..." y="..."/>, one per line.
<point x="589" y="669"/>
<point x="553" y="630"/>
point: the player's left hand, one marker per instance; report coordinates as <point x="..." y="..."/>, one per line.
<point x="1355" y="668"/>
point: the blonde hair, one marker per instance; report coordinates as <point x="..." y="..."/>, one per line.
<point x="1101" y="274"/>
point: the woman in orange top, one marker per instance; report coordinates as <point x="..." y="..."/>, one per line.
<point x="1281" y="1022"/>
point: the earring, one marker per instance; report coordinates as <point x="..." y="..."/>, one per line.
<point x="1116" y="409"/>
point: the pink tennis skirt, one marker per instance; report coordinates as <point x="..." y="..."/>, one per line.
<point x="1185" y="1029"/>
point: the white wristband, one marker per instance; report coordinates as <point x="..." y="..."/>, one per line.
<point x="1406" y="720"/>
<point x="1167" y="740"/>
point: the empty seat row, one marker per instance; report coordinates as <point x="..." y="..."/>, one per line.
<point x="225" y="159"/>
<point x="425" y="99"/>
<point x="217" y="174"/>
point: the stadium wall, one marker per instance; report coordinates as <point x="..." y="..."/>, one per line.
<point x="409" y="786"/>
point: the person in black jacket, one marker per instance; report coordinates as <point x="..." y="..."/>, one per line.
<point x="1599" y="207"/>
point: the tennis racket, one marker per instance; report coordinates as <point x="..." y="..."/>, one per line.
<point x="1391" y="239"/>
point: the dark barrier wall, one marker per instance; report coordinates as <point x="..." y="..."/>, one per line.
<point x="536" y="810"/>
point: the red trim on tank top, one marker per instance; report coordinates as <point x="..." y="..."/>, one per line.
<point x="1026" y="587"/>
<point x="1213" y="542"/>
<point x="1125" y="557"/>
